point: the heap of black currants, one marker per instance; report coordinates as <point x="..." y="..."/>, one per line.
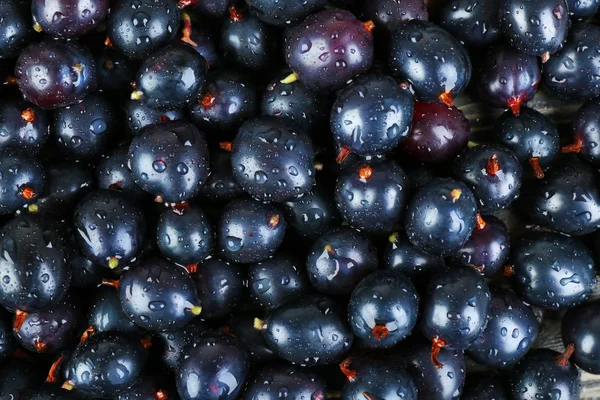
<point x="299" y="199"/>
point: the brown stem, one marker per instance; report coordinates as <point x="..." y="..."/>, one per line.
<point x="563" y="359"/>
<point x="480" y="223"/>
<point x="225" y="146"/>
<point x="89" y="332"/>
<point x="110" y="282"/>
<point x="19" y="319"/>
<point x="514" y="103"/>
<point x="575" y="147"/>
<point x="344" y="152"/>
<point x="235" y="14"/>
<point x="191" y="268"/>
<point x="186" y="32"/>
<point x="535" y="165"/>
<point x="446" y="98"/>
<point x="369" y="25"/>
<point x="436" y="346"/>
<point x="350" y="374"/>
<point x="54" y="369"/>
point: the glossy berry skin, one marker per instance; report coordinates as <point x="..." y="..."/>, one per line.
<point x="329" y="48"/>
<point x="372" y="196"/>
<point x="585" y="129"/>
<point x="484" y="388"/>
<point x="383" y="309"/>
<point x="15" y="31"/>
<point x="7" y="342"/>
<point x="299" y="320"/>
<point x="225" y="102"/>
<point x="105" y="314"/>
<point x="472" y="22"/>
<point x="508" y="78"/>
<point x="534" y="27"/>
<point x="252" y="339"/>
<point x="488" y="248"/>
<point x="388" y="14"/>
<point x="54" y="74"/>
<point x="552" y="271"/>
<point x="146" y="389"/>
<point x="171" y="77"/>
<point x="438" y="133"/>
<point x="139" y="115"/>
<point x="110" y="228"/>
<point x="493" y="173"/>
<point x="435" y="64"/>
<point x="170" y="161"/>
<point x="399" y="255"/>
<point x="69" y="18"/>
<point x="66" y="184"/>
<point x="23" y="125"/>
<point x="283" y="15"/>
<point x="249" y="231"/>
<point x="48" y="391"/>
<point x="202" y="40"/>
<point x="455" y="307"/>
<point x="571" y="73"/>
<point x="220" y="187"/>
<point x="173" y="342"/>
<point x="567" y="199"/>
<point x="580" y="327"/>
<point x="530" y="135"/>
<point x="113" y="173"/>
<point x="435" y="383"/>
<point x="312" y="214"/>
<point x="274" y="381"/>
<point x="139" y="29"/>
<point x="158" y="295"/>
<point x="184" y="237"/>
<point x="378" y="380"/>
<point x="339" y="259"/>
<point x="441" y="217"/>
<point x="582" y="9"/>
<point x="49" y="330"/>
<point x="106" y="364"/>
<point x="214" y="8"/>
<point x="267" y="177"/>
<point x="34" y="260"/>
<point x="16" y="376"/>
<point x="213" y="367"/>
<point x="116" y="71"/>
<point x="84" y="130"/>
<point x="220" y="287"/>
<point x="295" y="101"/>
<point x="540" y="376"/>
<point x="371" y="115"/>
<point x="84" y="273"/>
<point x="274" y="281"/>
<point x="22" y="179"/>
<point x="511" y="329"/>
<point x="248" y="42"/>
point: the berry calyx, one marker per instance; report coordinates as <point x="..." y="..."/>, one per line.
<point x="492" y="166"/>
<point x="365" y="172"/>
<point x="380" y="332"/>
